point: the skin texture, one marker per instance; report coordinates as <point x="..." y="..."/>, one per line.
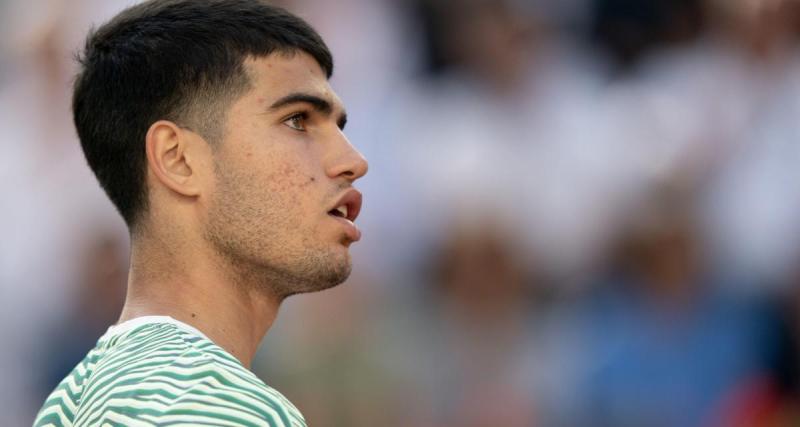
<point x="237" y="225"/>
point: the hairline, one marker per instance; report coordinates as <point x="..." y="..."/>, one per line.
<point x="194" y="111"/>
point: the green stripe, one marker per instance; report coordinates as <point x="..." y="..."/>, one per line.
<point x="136" y="412"/>
<point x="50" y="419"/>
<point x="178" y="398"/>
<point x="103" y="380"/>
<point x="53" y="401"/>
<point x="236" y="406"/>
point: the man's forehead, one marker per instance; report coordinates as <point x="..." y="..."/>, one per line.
<point x="281" y="74"/>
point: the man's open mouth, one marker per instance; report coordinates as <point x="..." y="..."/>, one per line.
<point x="340" y="211"/>
<point x="348" y="206"/>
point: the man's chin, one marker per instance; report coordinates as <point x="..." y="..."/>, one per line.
<point x="325" y="278"/>
<point x="333" y="277"/>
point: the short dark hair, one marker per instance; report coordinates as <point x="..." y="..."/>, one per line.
<point x="178" y="60"/>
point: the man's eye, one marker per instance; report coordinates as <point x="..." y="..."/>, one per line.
<point x="297" y="121"/>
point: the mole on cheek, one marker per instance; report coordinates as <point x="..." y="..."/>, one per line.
<point x="310" y="181"/>
<point x="292" y="177"/>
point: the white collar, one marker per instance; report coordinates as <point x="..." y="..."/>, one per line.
<point x="129" y="325"/>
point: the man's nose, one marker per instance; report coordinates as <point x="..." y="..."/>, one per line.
<point x="348" y="162"/>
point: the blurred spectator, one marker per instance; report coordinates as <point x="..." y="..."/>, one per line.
<point x="510" y="126"/>
<point x="628" y="30"/>
<point x="723" y="110"/>
<point x="771" y="400"/>
<point x="472" y="331"/>
<point x="663" y="343"/>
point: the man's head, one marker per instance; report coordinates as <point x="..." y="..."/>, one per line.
<point x="214" y="119"/>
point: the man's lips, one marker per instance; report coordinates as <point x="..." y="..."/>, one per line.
<point x="351" y="202"/>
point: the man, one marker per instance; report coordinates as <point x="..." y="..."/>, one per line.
<point x="211" y="126"/>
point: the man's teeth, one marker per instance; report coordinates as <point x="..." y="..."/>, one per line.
<point x="342" y="210"/>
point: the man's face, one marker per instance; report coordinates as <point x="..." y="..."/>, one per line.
<point x="281" y="171"/>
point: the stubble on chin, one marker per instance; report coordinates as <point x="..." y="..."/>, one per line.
<point x="258" y="259"/>
<point x="304" y="275"/>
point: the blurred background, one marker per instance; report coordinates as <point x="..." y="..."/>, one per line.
<point x="578" y="213"/>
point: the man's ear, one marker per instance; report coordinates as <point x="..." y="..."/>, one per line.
<point x="172" y="157"/>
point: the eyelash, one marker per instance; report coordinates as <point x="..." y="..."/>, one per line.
<point x="297" y="117"/>
<point x="304" y="116"/>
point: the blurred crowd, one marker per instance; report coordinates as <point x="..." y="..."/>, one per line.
<point x="578" y="213"/>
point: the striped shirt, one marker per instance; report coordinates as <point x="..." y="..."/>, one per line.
<point x="157" y="371"/>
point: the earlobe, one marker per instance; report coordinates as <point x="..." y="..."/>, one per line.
<point x="168" y="157"/>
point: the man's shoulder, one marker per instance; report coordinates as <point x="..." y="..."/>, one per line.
<point x="161" y="373"/>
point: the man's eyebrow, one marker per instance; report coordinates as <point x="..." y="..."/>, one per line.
<point x="320" y="104"/>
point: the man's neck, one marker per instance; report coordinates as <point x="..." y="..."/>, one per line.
<point x="235" y="316"/>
